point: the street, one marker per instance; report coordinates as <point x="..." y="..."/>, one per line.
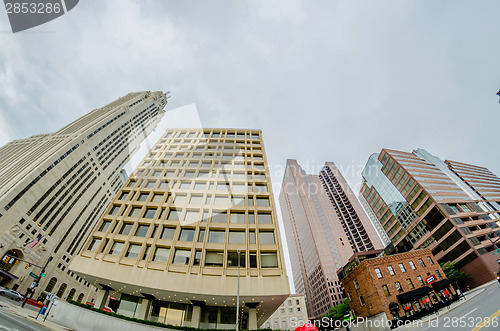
<point x="6" y="301"/>
<point x="473" y="315"/>
<point x="12" y="322"/>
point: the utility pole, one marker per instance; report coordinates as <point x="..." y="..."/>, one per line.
<point x="37" y="280"/>
<point x="238" y="296"/>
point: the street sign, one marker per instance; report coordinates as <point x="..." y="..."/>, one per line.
<point x="51" y="296"/>
<point x="34" y="276"/>
<point x="43" y="275"/>
<point x="430" y="279"/>
<point x="33" y="285"/>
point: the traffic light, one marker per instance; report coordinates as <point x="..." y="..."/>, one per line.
<point x="27" y="265"/>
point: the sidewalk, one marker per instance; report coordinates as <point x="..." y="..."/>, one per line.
<point x="30" y="315"/>
<point x="443" y="311"/>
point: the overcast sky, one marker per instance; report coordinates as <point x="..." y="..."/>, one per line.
<point x="324" y="80"/>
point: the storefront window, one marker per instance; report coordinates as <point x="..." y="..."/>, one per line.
<point x="171" y="312"/>
<point x="426" y="301"/>
<point x="209" y="315"/>
<point x="227" y="315"/>
<point x="129" y="305"/>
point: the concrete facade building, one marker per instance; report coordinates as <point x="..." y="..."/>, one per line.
<point x="325" y="224"/>
<point x="396" y="285"/>
<point x="195" y="214"/>
<point x="291" y="314"/>
<point x="421" y="202"/>
<point x="56" y="186"/>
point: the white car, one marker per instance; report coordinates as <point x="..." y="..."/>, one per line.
<point x="11" y="294"/>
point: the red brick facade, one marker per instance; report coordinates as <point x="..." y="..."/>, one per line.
<point x="369" y="289"/>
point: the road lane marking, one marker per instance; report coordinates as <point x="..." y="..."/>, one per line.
<point x="487" y="321"/>
<point x="473" y="310"/>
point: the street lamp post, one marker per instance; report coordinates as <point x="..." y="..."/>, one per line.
<point x="238" y="296"/>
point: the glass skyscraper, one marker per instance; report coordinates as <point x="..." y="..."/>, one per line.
<point x="420" y="201"/>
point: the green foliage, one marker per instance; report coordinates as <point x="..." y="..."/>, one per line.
<point x="452" y="273"/>
<point x="339" y="311"/>
<point x="146" y="322"/>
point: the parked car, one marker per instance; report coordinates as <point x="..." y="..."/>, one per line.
<point x="108" y="309"/>
<point x="11" y="294"/>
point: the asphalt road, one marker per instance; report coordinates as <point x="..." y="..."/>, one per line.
<point x="11" y="322"/>
<point x="472" y="315"/>
<point x="12" y="302"/>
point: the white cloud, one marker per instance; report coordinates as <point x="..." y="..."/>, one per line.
<point x="324" y="80"/>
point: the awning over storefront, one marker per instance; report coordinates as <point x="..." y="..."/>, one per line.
<point x="413" y="295"/>
<point x="8" y="274"/>
<point x="439" y="285"/>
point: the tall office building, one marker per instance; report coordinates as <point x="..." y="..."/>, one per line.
<point x="325" y="224"/>
<point x="195" y="214"/>
<point x="450" y="207"/>
<point x="482" y="181"/>
<point x="56" y="186"/>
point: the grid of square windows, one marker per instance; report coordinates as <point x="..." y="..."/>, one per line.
<point x="208" y="180"/>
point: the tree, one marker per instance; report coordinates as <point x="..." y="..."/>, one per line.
<point x="453" y="274"/>
<point x="339" y="311"/>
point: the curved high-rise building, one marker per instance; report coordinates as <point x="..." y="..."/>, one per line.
<point x="195" y="216"/>
<point x="56" y="186"/>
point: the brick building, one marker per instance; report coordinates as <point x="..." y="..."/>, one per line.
<point x="375" y="285"/>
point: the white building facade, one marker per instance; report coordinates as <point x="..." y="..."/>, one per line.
<point x="291" y="314"/>
<point x="56" y="186"/>
<point x="195" y="216"/>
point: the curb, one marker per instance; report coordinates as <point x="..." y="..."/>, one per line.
<point x="470" y="294"/>
<point x="47" y="324"/>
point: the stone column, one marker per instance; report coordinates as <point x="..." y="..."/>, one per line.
<point x="252" y="315"/>
<point x="145" y="308"/>
<point x="101" y="299"/>
<point x="252" y="319"/>
<point x="196" y="317"/>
